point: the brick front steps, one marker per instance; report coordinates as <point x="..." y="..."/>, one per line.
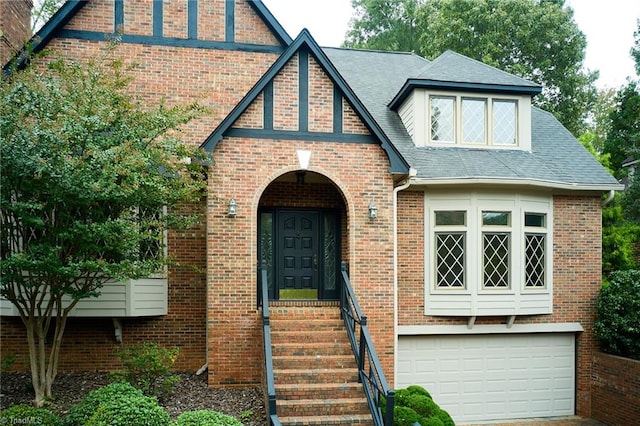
<point x="315" y="371"/>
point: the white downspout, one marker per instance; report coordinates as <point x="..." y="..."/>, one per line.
<point x="606" y="202"/>
<point x="407" y="183"/>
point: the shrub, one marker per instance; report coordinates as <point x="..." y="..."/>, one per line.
<point x="445" y="418"/>
<point x="401" y="396"/>
<point x="431" y="421"/>
<point x="414" y="404"/>
<point x="26" y="414"/>
<point x="148" y="367"/>
<point x="205" y="418"/>
<point x="404" y="416"/>
<point x="423" y="405"/>
<point x="82" y="412"/>
<point x="418" y="390"/>
<point x="618" y="310"/>
<point x="132" y="410"/>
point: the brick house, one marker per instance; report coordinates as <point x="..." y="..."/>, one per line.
<point x="470" y="220"/>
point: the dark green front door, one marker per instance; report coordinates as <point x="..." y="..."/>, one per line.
<point x="298" y="235"/>
<point x="302" y="251"/>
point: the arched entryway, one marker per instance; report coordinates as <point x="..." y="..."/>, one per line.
<point x="302" y="236"/>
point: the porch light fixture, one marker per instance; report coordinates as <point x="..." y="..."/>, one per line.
<point x="233" y="208"/>
<point x="373" y="211"/>
<point x="303" y="158"/>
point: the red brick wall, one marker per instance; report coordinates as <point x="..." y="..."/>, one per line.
<point x="15" y="24"/>
<point x="359" y="173"/>
<point x="576" y="276"/>
<point x="616" y="390"/>
<point x="245" y="171"/>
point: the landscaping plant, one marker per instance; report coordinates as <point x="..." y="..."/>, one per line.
<point x="205" y="417"/>
<point x="86" y="408"/>
<point x="28" y="415"/>
<point x="618" y="309"/>
<point x="147" y="366"/>
<point x="117" y="404"/>
<point x="415" y="405"/>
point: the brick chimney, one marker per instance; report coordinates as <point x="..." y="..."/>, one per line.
<point x="15" y="27"/>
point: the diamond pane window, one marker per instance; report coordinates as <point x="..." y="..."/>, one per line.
<point x="534" y="259"/>
<point x="474" y="121"/>
<point x="442" y="121"/>
<point x="450" y="253"/>
<point x="150" y="222"/>
<point x="504" y="122"/>
<point x="496" y="249"/>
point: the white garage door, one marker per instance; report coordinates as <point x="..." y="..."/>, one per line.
<point x="492" y="377"/>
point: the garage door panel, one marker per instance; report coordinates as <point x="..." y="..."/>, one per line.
<point x="492" y="377"/>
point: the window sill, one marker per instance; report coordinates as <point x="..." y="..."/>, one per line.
<point x="488" y="303"/>
<point x="144" y="297"/>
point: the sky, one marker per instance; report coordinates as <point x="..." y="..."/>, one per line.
<point x="607" y="24"/>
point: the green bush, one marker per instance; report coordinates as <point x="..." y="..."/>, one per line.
<point x="148" y="367"/>
<point x="414" y="404"/>
<point x="431" y="421"/>
<point x="423" y="405"/>
<point x="618" y="310"/>
<point x="445" y="418"/>
<point x="418" y="390"/>
<point x="136" y="410"/>
<point x="404" y="416"/>
<point x="26" y="415"/>
<point x="205" y="418"/>
<point x="401" y="396"/>
<point x="82" y="412"/>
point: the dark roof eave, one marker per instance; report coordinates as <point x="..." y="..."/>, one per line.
<point x="414" y="83"/>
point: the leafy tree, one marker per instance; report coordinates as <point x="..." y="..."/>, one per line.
<point x="620" y="239"/>
<point x="623" y="138"/>
<point x="42" y="11"/>
<point x="618" y="322"/>
<point x="82" y="166"/>
<point x="538" y="40"/>
<point x="635" y="50"/>
<point x="385" y="25"/>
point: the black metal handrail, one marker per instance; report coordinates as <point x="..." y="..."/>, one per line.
<point x="268" y="356"/>
<point x="379" y="394"/>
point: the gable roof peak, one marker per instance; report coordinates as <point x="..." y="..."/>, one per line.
<point x="306" y="41"/>
<point x="453" y="71"/>
<point x="455" y="67"/>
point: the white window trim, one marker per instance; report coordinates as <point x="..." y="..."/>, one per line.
<point x="469" y="300"/>
<point x="458" y="120"/>
<point x="416" y="116"/>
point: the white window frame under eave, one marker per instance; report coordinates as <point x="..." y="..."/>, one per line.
<point x="415" y="113"/>
<point x="475" y="298"/>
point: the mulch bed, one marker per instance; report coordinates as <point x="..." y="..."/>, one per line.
<point x="191" y="393"/>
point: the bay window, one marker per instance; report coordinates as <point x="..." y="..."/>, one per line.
<point x="488" y="254"/>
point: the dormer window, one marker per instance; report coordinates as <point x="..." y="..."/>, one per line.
<point x="467" y="119"/>
<point x="472" y="121"/>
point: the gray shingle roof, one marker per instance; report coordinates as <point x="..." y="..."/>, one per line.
<point x="556" y="159"/>
<point x="453" y="67"/>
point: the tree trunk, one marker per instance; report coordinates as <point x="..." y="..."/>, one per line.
<point x="36" y="352"/>
<point x="44" y="369"/>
